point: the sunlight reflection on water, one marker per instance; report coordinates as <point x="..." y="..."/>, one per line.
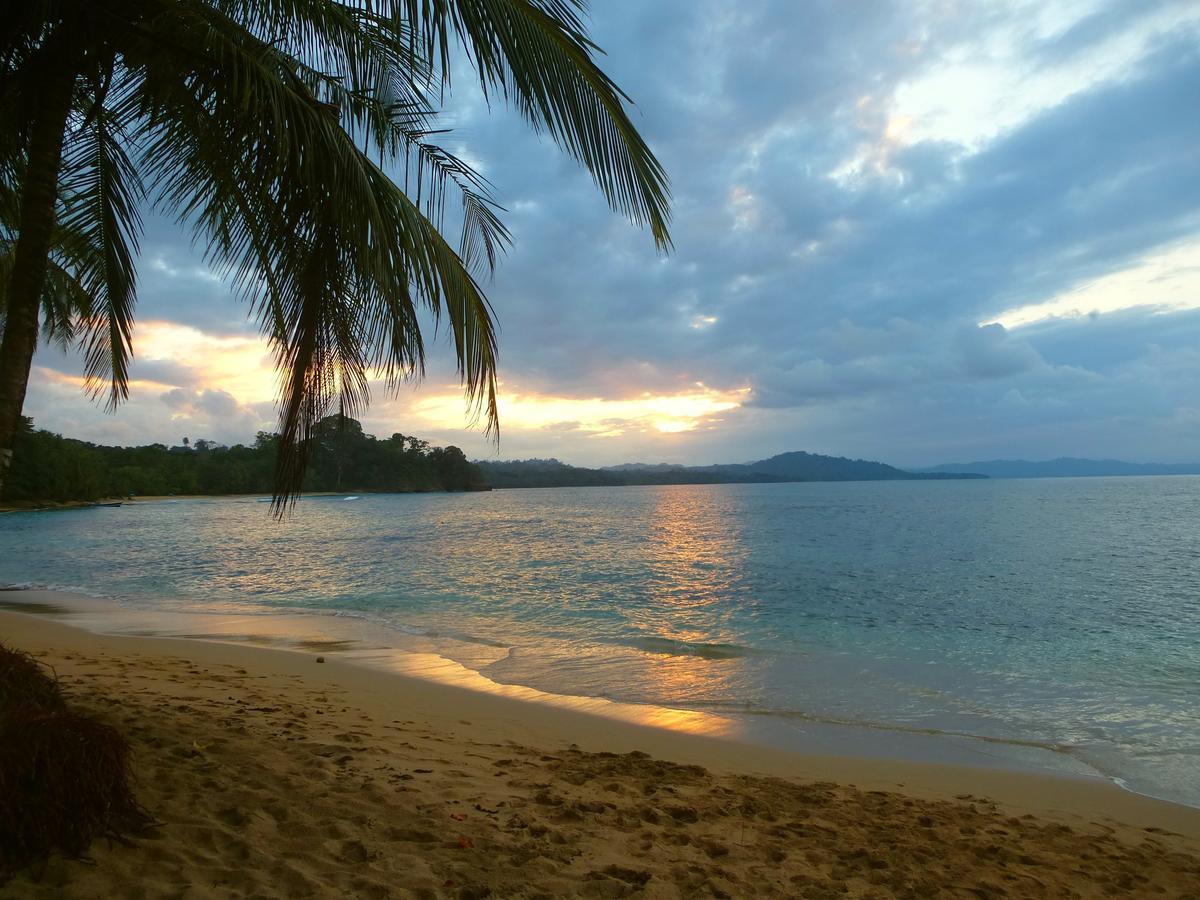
<point x="1049" y="611"/>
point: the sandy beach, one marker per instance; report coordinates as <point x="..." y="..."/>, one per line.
<point x="274" y="775"/>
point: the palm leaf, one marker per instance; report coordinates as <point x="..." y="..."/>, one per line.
<point x="334" y="255"/>
<point x="535" y="54"/>
<point x="100" y="195"/>
<point x="269" y="127"/>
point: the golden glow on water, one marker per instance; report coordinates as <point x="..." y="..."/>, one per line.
<point x="351" y="641"/>
<point x="694" y="549"/>
<point x="597" y="416"/>
<point x="446" y="671"/>
<point x="694" y="554"/>
<point x="774" y="606"/>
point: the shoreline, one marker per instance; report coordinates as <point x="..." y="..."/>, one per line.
<point x="57" y="505"/>
<point x="273" y="775"/>
<point x="369" y="646"/>
<point x="363" y="642"/>
<point x="688" y="735"/>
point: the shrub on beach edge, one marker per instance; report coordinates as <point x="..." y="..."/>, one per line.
<point x="64" y="776"/>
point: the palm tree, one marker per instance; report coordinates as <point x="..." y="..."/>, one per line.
<point x="69" y="314"/>
<point x="273" y="128"/>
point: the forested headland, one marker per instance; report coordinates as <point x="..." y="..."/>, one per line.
<point x="784" y="467"/>
<point x="49" y="467"/>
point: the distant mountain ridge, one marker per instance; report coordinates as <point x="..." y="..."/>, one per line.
<point x="1064" y="467"/>
<point x="801" y="466"/>
<point x="642" y="467"/>
<point x="795" y="466"/>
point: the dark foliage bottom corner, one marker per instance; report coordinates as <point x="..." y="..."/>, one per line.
<point x="64" y="776"/>
<point x="26" y="683"/>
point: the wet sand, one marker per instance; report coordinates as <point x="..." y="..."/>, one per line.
<point x="273" y="775"/>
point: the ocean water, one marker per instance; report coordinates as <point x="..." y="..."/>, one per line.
<point x="1055" y="614"/>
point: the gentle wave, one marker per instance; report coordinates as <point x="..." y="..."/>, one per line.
<point x="673" y="647"/>
<point x="748" y="709"/>
<point x="57" y="587"/>
<point x="1057" y="613"/>
<point x="728" y="711"/>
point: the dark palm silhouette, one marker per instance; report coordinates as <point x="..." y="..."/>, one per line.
<point x="269" y="128"/>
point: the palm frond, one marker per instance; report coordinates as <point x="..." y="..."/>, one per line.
<point x="536" y="55"/>
<point x="321" y="357"/>
<point x="100" y="197"/>
<point x="65" y="302"/>
<point x="66" y="305"/>
<point x="335" y="257"/>
<point x="271" y="127"/>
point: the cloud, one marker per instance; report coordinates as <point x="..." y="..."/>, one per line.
<point x="912" y="231"/>
<point x="1164" y="280"/>
<point x="209" y="403"/>
<point x="989" y="352"/>
<point x="600" y="417"/>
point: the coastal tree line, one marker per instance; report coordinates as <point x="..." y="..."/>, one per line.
<point x="273" y="132"/>
<point x="49" y="467"/>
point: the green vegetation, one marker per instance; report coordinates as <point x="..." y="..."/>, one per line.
<point x="297" y="141"/>
<point x="341" y="458"/>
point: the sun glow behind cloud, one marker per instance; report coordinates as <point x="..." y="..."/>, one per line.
<point x="79" y="383"/>
<point x="1167" y="282"/>
<point x="240" y="365"/>
<point x="201" y="375"/>
<point x="595" y="416"/>
<point x="985" y="85"/>
<point x="992" y="82"/>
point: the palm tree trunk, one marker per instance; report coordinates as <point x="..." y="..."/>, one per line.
<point x="39" y="196"/>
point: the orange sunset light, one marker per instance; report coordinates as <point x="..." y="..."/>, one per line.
<point x="242" y="366"/>
<point x="239" y="364"/>
<point x="597" y="416"/>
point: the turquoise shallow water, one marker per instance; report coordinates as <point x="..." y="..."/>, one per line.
<point x="1063" y="613"/>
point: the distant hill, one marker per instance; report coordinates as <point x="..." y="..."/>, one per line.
<point x="801" y="466"/>
<point x="552" y="473"/>
<point x="1065" y="467"/>
<point x="643" y="467"/>
<point x="795" y="466"/>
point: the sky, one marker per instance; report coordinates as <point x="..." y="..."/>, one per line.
<point x="917" y="232"/>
